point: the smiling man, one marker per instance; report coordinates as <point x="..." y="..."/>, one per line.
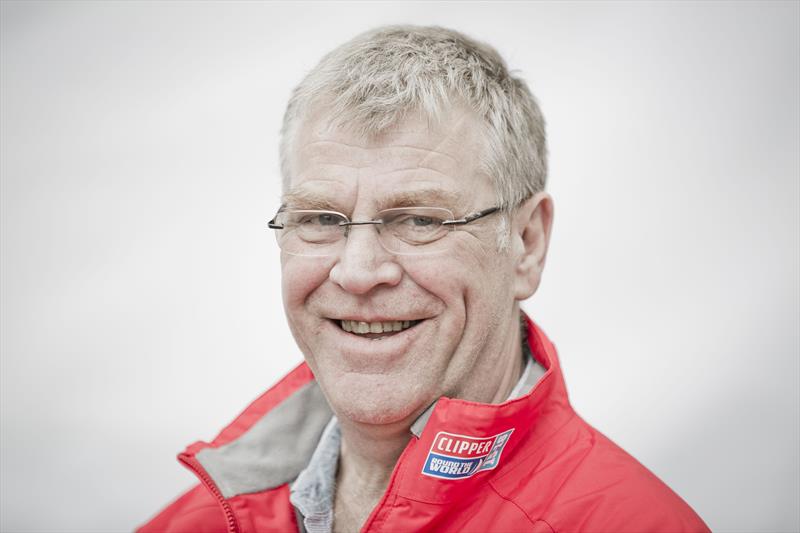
<point x="414" y="221"/>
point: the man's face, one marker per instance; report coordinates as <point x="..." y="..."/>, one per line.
<point x="460" y="303"/>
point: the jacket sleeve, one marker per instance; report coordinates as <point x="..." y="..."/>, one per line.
<point x="195" y="512"/>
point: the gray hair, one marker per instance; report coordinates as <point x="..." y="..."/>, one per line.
<point x="375" y="79"/>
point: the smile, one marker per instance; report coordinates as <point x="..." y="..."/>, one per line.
<point x="376" y="329"/>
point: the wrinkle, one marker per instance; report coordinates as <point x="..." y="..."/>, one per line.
<point x="428" y="151"/>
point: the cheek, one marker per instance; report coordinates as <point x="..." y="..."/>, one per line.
<point x="469" y="272"/>
<point x="300" y="277"/>
<point x="436" y="278"/>
<point x="475" y="288"/>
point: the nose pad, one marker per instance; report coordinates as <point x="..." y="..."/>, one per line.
<point x="364" y="263"/>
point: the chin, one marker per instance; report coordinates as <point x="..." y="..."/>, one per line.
<point x="375" y="399"/>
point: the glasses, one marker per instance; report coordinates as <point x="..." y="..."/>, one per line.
<point x="402" y="230"/>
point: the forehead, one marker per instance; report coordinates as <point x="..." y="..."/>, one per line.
<point x="417" y="158"/>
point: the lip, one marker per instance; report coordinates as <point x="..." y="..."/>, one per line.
<point x="378" y="318"/>
<point x="366" y="352"/>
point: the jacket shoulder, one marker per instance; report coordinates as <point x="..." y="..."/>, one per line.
<point x="588" y="483"/>
<point x="612" y="491"/>
<point x="196" y="511"/>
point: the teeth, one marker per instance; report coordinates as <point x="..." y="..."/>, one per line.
<point x="361" y="328"/>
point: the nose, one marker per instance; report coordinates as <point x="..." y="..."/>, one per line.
<point x="364" y="264"/>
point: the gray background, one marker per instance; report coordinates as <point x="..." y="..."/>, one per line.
<point x="140" y="288"/>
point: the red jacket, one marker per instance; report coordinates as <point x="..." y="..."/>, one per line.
<point x="529" y="464"/>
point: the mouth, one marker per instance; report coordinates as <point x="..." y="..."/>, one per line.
<point x="375" y="330"/>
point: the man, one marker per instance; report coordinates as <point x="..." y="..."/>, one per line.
<point x="414" y="221"/>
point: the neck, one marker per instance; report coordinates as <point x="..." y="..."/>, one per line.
<point x="369" y="452"/>
<point x="366" y="460"/>
<point x="511" y="369"/>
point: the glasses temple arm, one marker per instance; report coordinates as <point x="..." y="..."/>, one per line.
<point x="469" y="218"/>
<point x="272" y="224"/>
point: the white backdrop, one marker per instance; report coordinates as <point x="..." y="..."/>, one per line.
<point x="140" y="287"/>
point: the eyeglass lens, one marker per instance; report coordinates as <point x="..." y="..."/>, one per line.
<point x="405" y="231"/>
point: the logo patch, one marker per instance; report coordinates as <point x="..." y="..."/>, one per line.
<point x="458" y="456"/>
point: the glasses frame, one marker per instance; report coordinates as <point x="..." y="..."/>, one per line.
<point x="466" y="219"/>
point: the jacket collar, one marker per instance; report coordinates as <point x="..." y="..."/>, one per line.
<point x="467" y="443"/>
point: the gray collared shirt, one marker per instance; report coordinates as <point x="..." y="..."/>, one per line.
<point x="312" y="492"/>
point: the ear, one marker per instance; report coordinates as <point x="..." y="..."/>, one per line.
<point x="531" y="232"/>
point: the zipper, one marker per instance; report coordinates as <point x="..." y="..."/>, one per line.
<point x="194" y="465"/>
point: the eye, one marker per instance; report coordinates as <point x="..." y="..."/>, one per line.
<point x="416" y="226"/>
<point x="421" y="221"/>
<point x="413" y="219"/>
<point x="320" y="219"/>
<point x="329" y="219"/>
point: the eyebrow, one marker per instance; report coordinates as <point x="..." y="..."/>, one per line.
<point x="422" y="197"/>
<point x="302" y="199"/>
